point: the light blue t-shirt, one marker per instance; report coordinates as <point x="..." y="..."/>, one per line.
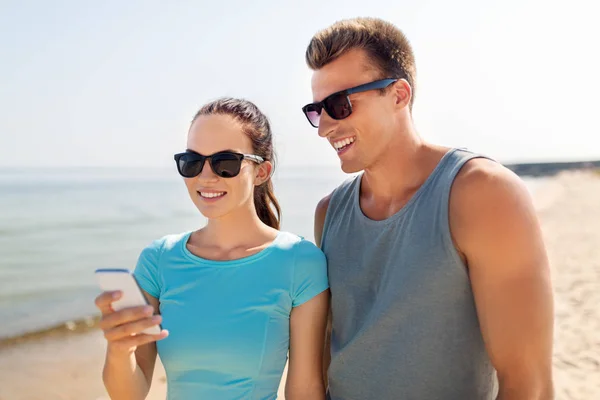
<point x="228" y="321"/>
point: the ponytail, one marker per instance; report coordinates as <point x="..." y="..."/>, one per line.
<point x="266" y="204"/>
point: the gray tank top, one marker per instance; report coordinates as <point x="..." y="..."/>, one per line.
<point x="404" y="318"/>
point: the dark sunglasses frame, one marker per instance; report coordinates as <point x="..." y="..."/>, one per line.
<point x="328" y="102"/>
<point x="213" y="161"/>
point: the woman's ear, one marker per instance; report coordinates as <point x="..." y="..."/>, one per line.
<point x="263" y="173"/>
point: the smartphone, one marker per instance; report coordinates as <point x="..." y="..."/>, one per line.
<point x="110" y="279"/>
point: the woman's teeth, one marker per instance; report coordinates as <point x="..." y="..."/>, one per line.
<point x="210" y="195"/>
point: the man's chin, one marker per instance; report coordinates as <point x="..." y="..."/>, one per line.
<point x="351" y="167"/>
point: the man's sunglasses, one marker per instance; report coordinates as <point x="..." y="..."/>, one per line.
<point x="338" y="105"/>
<point x="225" y="164"/>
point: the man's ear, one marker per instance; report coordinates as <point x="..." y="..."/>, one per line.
<point x="402" y="92"/>
<point x="263" y="173"/>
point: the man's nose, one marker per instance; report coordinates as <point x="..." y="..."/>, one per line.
<point x="326" y="125"/>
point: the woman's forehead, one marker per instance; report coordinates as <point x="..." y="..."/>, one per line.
<point x="212" y="133"/>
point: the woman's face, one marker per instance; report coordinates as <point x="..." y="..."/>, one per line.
<point x="212" y="194"/>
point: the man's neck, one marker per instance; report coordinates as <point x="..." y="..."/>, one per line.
<point x="403" y="168"/>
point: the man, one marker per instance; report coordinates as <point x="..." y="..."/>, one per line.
<point x="439" y="277"/>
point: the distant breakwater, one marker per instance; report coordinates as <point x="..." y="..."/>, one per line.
<point x="551" y="168"/>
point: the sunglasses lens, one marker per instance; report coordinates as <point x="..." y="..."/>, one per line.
<point x="189" y="165"/>
<point x="226" y="165"/>
<point x="313" y="113"/>
<point x="338" y="107"/>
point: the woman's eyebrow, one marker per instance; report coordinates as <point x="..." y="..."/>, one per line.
<point x="220" y="151"/>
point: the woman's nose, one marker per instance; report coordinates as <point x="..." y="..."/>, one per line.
<point x="207" y="173"/>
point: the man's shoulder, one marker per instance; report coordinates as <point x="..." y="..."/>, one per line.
<point x="484" y="194"/>
<point x="482" y="179"/>
<point x="343" y="189"/>
<point x="322" y="206"/>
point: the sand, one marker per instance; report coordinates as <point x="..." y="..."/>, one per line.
<point x="569" y="210"/>
<point x="67" y="365"/>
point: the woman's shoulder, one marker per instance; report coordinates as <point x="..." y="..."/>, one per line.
<point x="166" y="243"/>
<point x="301" y="247"/>
<point x="309" y="269"/>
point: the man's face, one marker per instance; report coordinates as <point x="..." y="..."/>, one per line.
<point x="362" y="136"/>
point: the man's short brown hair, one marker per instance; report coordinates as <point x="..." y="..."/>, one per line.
<point x="384" y="43"/>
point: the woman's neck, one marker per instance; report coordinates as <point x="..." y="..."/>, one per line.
<point x="235" y="230"/>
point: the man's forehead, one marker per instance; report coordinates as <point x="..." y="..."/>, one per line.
<point x="341" y="74"/>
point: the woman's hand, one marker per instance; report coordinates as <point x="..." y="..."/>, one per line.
<point x="123" y="329"/>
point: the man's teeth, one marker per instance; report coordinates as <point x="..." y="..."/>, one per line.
<point x="210" y="195"/>
<point x="340" y="144"/>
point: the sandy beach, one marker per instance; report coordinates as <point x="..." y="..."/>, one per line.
<point x="66" y="363"/>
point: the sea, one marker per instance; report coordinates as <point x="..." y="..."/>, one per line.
<point x="58" y="225"/>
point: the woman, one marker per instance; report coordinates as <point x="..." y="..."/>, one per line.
<point x="237" y="294"/>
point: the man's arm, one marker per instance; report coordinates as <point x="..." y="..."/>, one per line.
<point x="495" y="227"/>
<point x="320" y="214"/>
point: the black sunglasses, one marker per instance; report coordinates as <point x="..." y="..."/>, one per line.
<point x="338" y="105"/>
<point x="225" y="164"/>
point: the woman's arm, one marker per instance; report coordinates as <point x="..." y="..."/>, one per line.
<point x="130" y="359"/>
<point x="307" y="336"/>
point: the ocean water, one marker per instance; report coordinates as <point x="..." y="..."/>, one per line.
<point x="57" y="226"/>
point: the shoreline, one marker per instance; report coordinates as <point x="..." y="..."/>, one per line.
<point x="73" y="327"/>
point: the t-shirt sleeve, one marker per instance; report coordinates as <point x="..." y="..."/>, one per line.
<point x="146" y="269"/>
<point x="310" y="273"/>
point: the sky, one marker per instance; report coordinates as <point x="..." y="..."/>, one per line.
<point x="115" y="83"/>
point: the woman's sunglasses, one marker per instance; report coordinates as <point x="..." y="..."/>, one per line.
<point x="225" y="164"/>
<point x="338" y="105"/>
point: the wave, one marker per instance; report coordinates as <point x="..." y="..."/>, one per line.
<point x="67" y="327"/>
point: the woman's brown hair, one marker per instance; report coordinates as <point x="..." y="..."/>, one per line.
<point x="257" y="127"/>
